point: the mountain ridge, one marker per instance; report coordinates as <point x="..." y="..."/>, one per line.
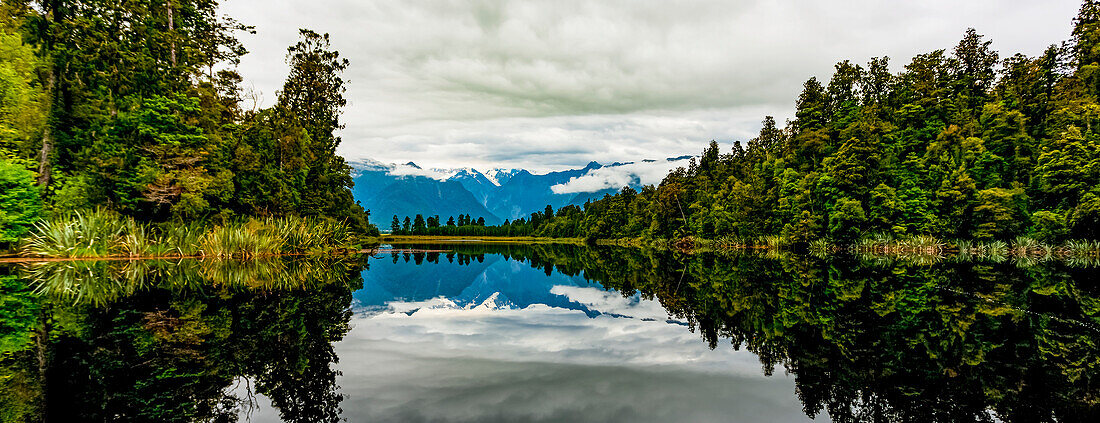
<point x="496" y="194"/>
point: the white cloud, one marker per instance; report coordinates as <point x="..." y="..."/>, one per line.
<point x="552" y="84"/>
<point x="408" y="170"/>
<point x="615" y="177"/>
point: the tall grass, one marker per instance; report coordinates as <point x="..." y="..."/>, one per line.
<point x="884" y="243"/>
<point x="820" y="247"/>
<point x="80" y="234"/>
<point x="105" y="234"/>
<point x="773" y="242"/>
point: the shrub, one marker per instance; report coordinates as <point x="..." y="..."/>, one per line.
<point x="1048" y="226"/>
<point x="20" y="203"/>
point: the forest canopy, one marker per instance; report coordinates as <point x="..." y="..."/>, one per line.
<point x="137" y="107"/>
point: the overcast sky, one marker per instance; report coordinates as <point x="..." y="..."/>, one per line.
<point x="554" y="84"/>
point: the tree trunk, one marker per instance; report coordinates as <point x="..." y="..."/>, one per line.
<point x="172" y="30"/>
<point x="47" y="138"/>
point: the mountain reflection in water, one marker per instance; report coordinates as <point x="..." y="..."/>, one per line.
<point x="551" y="333"/>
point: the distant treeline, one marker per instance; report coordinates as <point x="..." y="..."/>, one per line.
<point x="136" y="107"/>
<point x="465" y="225"/>
<point x="959" y="144"/>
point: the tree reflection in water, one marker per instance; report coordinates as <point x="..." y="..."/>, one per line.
<point x="171" y="341"/>
<point x="866" y="339"/>
<point x="877" y="339"/>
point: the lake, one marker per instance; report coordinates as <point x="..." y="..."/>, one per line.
<point x="552" y="333"/>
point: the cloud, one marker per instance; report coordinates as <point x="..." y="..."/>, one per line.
<point x="409" y="170"/>
<point x="615" y="177"/>
<point x="556" y="84"/>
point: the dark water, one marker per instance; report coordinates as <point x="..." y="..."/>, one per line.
<point x="550" y="333"/>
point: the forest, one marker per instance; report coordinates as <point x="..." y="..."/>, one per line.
<point x="136" y="109"/>
<point x="960" y="144"/>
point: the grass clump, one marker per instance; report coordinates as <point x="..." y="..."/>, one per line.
<point x="88" y="234"/>
<point x="103" y="233"/>
<point x="820" y="247"/>
<point x="773" y="241"/>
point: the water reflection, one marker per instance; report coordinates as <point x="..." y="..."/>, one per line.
<point x="553" y="333"/>
<point x="130" y="341"/>
<point x="869" y="340"/>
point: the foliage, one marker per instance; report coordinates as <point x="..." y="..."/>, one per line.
<point x="103" y="233"/>
<point x="20" y="202"/>
<point x="22" y="97"/>
<point x="137" y="107"/>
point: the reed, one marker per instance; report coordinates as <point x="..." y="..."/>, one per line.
<point x="1081" y="248"/>
<point x="1024" y="245"/>
<point x="80" y="234"/>
<point x="884" y="243"/>
<point x="731" y="241"/>
<point x="773" y="242"/>
<point x="105" y="234"/>
<point x="820" y="247"/>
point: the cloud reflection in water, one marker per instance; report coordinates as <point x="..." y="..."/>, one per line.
<point x="490" y="348"/>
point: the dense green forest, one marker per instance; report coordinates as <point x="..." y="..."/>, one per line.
<point x="135" y="107"/>
<point x="961" y="143"/>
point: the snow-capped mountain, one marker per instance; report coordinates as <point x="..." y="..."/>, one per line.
<point x="501" y="176"/>
<point x="409" y="189"/>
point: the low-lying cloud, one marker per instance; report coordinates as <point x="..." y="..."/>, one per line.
<point x="615" y="177"/>
<point x="410" y="170"/>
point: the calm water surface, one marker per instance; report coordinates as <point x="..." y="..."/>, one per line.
<point x="551" y="333"/>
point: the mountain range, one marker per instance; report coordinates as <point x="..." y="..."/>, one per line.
<point x="407" y="189"/>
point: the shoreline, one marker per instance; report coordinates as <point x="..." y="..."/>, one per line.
<point x="897" y="248"/>
<point x="368" y="251"/>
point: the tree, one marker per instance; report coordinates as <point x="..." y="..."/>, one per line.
<point x="846" y="220"/>
<point x="313" y="95"/>
<point x="1048" y="226"/>
<point x="1086" y="45"/>
<point x="853" y="168"/>
<point x="1066" y="167"/>
<point x="20" y="202"/>
<point x="843" y="92"/>
<point x="419" y="227"/>
<point x="406" y="226"/>
<point x="395" y="225"/>
<point x="999" y="213"/>
<point x="169" y="170"/>
<point x="974" y="69"/>
<point x="810" y="109"/>
<point x="23" y="99"/>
